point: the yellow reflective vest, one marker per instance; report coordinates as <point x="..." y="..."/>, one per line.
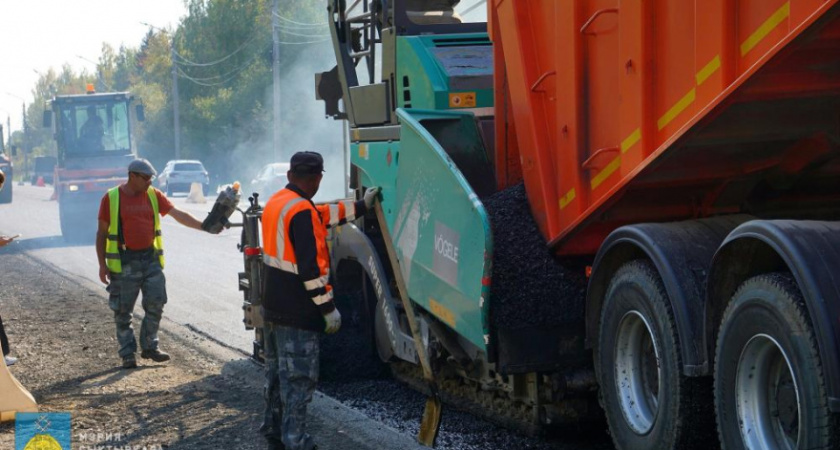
<point x="112" y="249"/>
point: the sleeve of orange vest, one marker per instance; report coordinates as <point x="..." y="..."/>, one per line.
<point x="340" y="212"/>
<point x="306" y="252"/>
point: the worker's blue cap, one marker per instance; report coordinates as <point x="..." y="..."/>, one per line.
<point x="142" y="166"/>
<point x="304" y="163"/>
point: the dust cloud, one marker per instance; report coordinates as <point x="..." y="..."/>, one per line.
<point x="303" y="126"/>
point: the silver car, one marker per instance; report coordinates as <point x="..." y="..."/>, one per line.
<point x="180" y="174"/>
<point x="270" y="179"/>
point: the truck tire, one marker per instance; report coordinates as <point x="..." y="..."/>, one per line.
<point x="770" y="388"/>
<point x="649" y="403"/>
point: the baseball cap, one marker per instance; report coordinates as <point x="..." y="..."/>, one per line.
<point x="307" y="163"/>
<point x="142" y="166"/>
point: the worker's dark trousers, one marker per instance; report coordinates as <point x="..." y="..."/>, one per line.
<point x="273" y="413"/>
<point x="140" y="272"/>
<point x="297" y="375"/>
<point x="4" y="340"/>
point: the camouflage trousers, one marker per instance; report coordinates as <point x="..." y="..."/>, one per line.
<point x="141" y="272"/>
<point x="291" y="361"/>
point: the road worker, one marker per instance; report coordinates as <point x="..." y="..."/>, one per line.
<point x="92" y="131"/>
<point x="129" y="247"/>
<point x="4" y="340"/>
<point x="298" y="299"/>
<point x="3" y="239"/>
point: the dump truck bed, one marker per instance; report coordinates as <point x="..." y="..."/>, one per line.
<point x="634" y="111"/>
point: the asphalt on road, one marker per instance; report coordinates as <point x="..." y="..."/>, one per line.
<point x="204" y="299"/>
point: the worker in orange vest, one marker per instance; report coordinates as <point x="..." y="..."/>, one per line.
<point x="297" y="297"/>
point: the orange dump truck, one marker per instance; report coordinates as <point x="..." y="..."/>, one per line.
<point x="681" y="163"/>
<point x="692" y="147"/>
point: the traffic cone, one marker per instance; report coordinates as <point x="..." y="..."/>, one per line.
<point x="14" y="398"/>
<point x="40" y="182"/>
<point x="196" y="194"/>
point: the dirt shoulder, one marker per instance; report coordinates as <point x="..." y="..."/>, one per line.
<point x="207" y="397"/>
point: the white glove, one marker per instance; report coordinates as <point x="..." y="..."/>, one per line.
<point x="370" y="195"/>
<point x="333" y="321"/>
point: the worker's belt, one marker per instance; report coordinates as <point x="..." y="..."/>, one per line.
<point x="129" y="253"/>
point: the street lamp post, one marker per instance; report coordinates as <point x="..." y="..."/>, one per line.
<point x="175" y="109"/>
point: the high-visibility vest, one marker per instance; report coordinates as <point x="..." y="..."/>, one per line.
<point x="112" y="249"/>
<point x="278" y="251"/>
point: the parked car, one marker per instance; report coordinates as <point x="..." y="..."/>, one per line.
<point x="269" y="180"/>
<point x="44" y="167"/>
<point x="180" y="174"/>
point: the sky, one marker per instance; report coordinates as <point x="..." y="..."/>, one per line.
<point x="36" y="35"/>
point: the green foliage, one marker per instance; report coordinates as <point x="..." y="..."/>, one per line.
<point x="222" y="55"/>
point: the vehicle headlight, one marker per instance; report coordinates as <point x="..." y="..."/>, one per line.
<point x="72" y="188"/>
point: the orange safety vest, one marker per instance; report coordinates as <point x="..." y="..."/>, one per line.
<point x="278" y="251"/>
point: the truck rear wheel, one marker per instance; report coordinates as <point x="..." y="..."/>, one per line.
<point x="648" y="402"/>
<point x="769" y="383"/>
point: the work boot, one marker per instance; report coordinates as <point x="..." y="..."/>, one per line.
<point x="129" y="362"/>
<point x="155" y="355"/>
<point x="10" y="360"/>
<point x="275" y="444"/>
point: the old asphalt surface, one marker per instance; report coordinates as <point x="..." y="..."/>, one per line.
<point x="207" y="397"/>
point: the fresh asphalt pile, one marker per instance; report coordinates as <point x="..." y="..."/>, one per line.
<point x="530" y="286"/>
<point x="352" y="373"/>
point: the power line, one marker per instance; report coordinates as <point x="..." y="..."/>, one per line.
<point x="187" y="62"/>
<point x="225" y="75"/>
<point x="304" y="42"/>
<point x="300" y="23"/>
<point x="304" y="35"/>
<point x="201" y="83"/>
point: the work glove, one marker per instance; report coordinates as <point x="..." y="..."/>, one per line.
<point x="333" y="321"/>
<point x="370" y="196"/>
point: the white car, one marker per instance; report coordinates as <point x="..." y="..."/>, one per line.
<point x="180" y="174"/>
<point x="270" y="179"/>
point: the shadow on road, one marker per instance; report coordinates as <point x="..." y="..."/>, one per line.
<point x="21" y="245"/>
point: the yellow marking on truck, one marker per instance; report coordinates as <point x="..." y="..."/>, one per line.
<point x="442" y="312"/>
<point x="769" y="25"/>
<point x="675" y="110"/>
<point x="631" y="140"/>
<point x="566" y="199"/>
<point x="606" y="172"/>
<point x="462" y="100"/>
<point x="708" y="70"/>
<point x="363" y="151"/>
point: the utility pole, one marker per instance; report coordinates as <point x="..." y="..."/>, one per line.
<point x="176" y="110"/>
<point x="275" y="33"/>
<point x="25" y="144"/>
